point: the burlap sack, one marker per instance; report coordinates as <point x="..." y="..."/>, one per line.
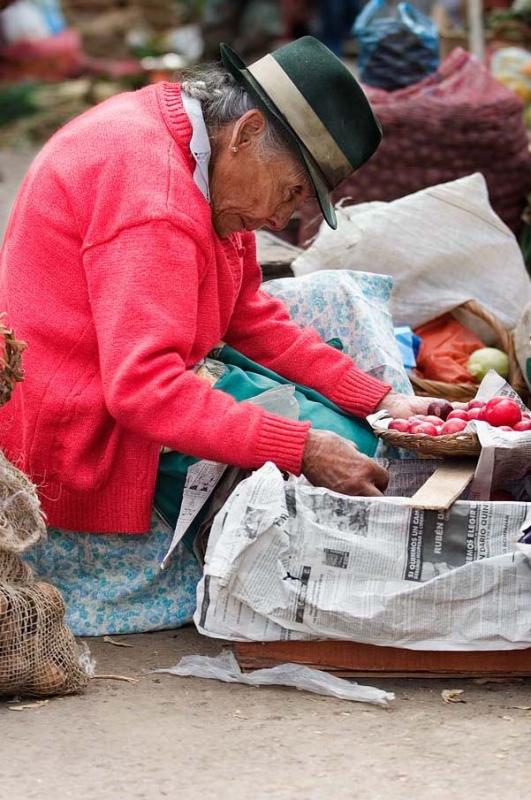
<point x="21" y="520"/>
<point x="38" y="654"/>
<point x="458" y="121"/>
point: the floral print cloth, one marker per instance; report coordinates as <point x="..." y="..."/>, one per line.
<point x="112" y="583"/>
<point x="353" y="307"/>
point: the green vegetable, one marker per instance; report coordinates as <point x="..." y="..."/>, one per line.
<point x="481" y="361"/>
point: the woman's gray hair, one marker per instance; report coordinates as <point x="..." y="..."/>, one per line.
<point x="223" y="100"/>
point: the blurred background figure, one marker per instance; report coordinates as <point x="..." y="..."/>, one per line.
<point x="299" y="18"/>
<point x="336" y="20"/>
<point x="251" y="26"/>
<point x="256" y="25"/>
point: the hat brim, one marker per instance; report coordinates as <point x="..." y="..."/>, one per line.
<point x="239" y="71"/>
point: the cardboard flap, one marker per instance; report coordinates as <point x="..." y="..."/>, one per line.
<point x="446" y="484"/>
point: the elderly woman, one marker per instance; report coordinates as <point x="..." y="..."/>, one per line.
<point x="130" y="253"/>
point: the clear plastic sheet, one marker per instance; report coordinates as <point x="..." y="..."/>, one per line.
<point x="224" y="667"/>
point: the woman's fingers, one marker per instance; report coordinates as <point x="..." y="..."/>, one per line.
<point x="370" y="491"/>
<point x="381" y="476"/>
<point x="403" y="405"/>
<point x="334" y="463"/>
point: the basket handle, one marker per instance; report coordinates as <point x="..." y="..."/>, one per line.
<point x="504" y="340"/>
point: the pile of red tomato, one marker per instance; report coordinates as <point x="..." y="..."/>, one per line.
<point x="442" y="419"/>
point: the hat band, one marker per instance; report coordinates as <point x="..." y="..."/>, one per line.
<point x="302" y="118"/>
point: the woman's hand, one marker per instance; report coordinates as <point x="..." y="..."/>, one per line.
<point x="335" y="463"/>
<point x="403" y="406"/>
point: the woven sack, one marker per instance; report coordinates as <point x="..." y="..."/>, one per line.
<point x="38" y="654"/>
<point x="458" y="121"/>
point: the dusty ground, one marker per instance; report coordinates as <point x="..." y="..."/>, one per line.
<point x="191" y="738"/>
<point x="173" y="737"/>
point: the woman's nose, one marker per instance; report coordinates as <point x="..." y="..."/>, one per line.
<point x="278" y="221"/>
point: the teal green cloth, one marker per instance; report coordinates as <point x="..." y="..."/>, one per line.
<point x="243" y="379"/>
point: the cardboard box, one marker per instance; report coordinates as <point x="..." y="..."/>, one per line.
<point x="350" y="659"/>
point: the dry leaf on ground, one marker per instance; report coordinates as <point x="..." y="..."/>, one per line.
<point x="452" y="695"/>
<point x="27" y="706"/>
<point x="125" y="678"/>
<point x="115" y="642"/>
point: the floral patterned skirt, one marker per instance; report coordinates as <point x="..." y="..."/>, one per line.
<point x="113" y="583"/>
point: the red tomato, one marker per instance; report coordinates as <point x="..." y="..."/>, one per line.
<point x="502" y="411"/>
<point x="497" y="399"/>
<point x="475" y="404"/>
<point x="455" y="425"/>
<point x="459" y="413"/>
<point x="401" y="425"/>
<point x="425" y="428"/>
<point x="433" y="420"/>
<point x="523" y="425"/>
<point x="476" y="413"/>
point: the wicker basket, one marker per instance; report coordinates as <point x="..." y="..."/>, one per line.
<point x="453" y="445"/>
<point x="467" y="391"/>
<point x="10" y="362"/>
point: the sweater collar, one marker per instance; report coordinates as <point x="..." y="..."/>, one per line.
<point x="180" y="127"/>
<point x="176" y="118"/>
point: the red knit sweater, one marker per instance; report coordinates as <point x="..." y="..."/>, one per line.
<point x="113" y="274"/>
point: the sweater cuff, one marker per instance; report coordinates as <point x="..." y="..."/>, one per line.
<point x="281" y="441"/>
<point x="359" y="393"/>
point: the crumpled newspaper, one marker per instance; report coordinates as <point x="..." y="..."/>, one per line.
<point x="224" y="667"/>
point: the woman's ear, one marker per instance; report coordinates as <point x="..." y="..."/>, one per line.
<point x="247" y="129"/>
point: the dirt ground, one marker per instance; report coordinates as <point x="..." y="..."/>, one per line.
<point x="184" y="737"/>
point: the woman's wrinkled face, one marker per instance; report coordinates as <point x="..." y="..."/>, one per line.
<point x="251" y="188"/>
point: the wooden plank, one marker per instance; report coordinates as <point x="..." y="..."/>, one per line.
<point x="354" y="659"/>
<point x="446" y="484"/>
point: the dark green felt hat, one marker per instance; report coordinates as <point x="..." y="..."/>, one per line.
<point x="320" y="105"/>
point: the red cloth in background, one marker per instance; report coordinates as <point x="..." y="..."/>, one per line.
<point x="54" y="58"/>
<point x="445" y="349"/>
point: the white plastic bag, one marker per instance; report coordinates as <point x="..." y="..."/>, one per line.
<point x="26" y="20"/>
<point x="224" y="667"/>
<point x="442" y="246"/>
